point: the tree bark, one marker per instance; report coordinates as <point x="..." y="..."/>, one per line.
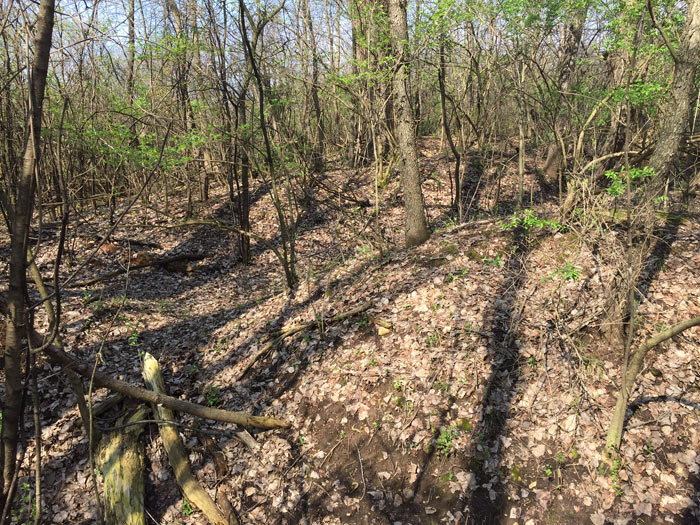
<point x="317" y="153"/>
<point x="617" y="422"/>
<point x="567" y="64"/>
<point x="416" y="224"/>
<point x="20" y="218"/>
<point x="680" y="98"/>
<point x="457" y="203"/>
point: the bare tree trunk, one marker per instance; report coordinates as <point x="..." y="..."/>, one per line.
<point x="457" y="204"/>
<point x="416" y="225"/>
<point x="567" y="64"/>
<point x="20" y="218"/>
<point x="317" y="154"/>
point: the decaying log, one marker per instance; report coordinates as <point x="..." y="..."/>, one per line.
<point x="177" y="455"/>
<point x="121" y="459"/>
<point x="142" y="394"/>
<point x="282" y="334"/>
<point x="156" y="262"/>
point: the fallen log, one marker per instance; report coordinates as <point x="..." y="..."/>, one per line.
<point x="177" y="455"/>
<point x="121" y="459"/>
<point x="156" y="262"/>
<point x="142" y="394"/>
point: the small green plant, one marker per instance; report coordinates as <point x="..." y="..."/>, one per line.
<point x="569" y="272"/>
<point x="27" y="501"/>
<point x="97" y="306"/>
<point x="495" y="261"/>
<point x="618" y="179"/>
<point x="301" y="440"/>
<point x="529" y="222"/>
<point x="187" y="509"/>
<point x="445" y="440"/>
<point x="133" y="335"/>
<point x="516" y="475"/>
<point x="447" y="477"/>
<point x="221" y="345"/>
<point x="532" y="362"/>
<point x="364" y="249"/>
<point x="560" y="458"/>
<point x="442" y="386"/>
<point x="212" y="395"/>
<point x="162" y="305"/>
<point x="548" y="470"/>
<point x="371" y="361"/>
<point x="433" y="340"/>
<point x="398" y="384"/>
<point x="615" y="477"/>
<point x="649" y="448"/>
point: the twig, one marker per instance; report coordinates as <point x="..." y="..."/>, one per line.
<point x="330" y="453"/>
<point x="362" y="472"/>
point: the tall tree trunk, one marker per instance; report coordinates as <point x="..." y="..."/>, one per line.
<point x="567" y="64"/>
<point x="457" y="203"/>
<point x="317" y="153"/>
<point x="16" y="334"/>
<point x="676" y="116"/>
<point x="416" y="225"/>
<point x="244" y="193"/>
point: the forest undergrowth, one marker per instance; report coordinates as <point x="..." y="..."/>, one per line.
<point x="474" y="385"/>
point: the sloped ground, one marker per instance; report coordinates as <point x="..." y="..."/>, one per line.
<point x="486" y="401"/>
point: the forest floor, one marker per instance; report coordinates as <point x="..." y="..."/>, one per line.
<point x="477" y="387"/>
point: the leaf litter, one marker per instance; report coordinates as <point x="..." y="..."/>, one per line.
<point x="486" y="396"/>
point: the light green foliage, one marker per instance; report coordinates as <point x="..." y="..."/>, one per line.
<point x="644" y="94"/>
<point x="615" y="477"/>
<point x="445" y="440"/>
<point x="618" y="179"/>
<point x="187" y="509"/>
<point x="530" y="222"/>
<point x="211" y="393"/>
<point x="495" y="261"/>
<point x="569" y="272"/>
